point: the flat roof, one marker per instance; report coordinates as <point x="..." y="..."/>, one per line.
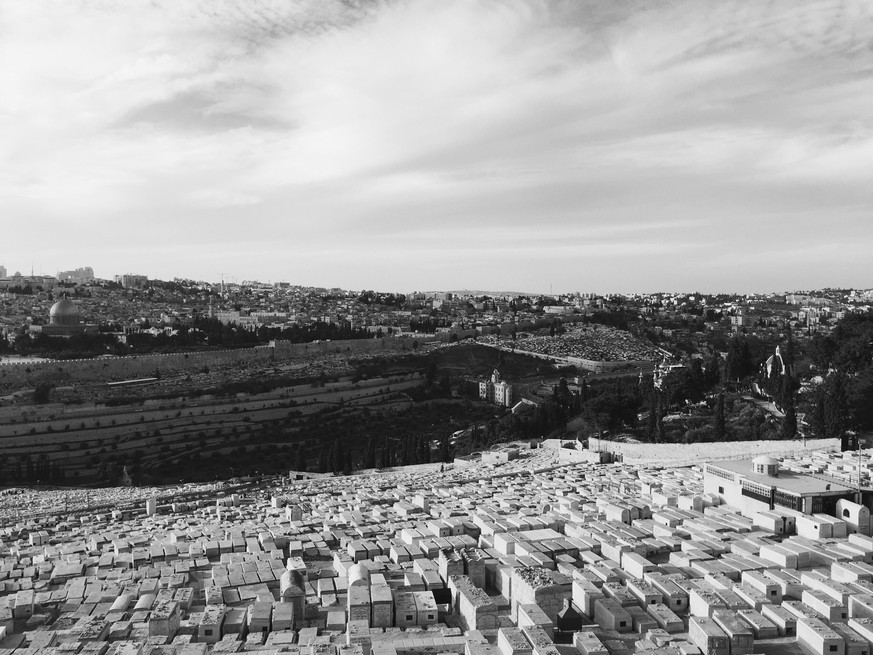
<point x="797" y="483"/>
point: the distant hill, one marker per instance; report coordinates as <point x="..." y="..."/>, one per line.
<point x="480" y="292"/>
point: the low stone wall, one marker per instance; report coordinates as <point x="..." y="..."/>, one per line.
<point x="682" y="454"/>
<point x="596" y="366"/>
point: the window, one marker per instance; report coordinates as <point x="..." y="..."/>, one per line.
<point x="785" y="499"/>
<point x="721" y="490"/>
<point x="409" y="617"/>
<point x="833" y="648"/>
<point x="208" y="632"/>
<point x="622" y="624"/>
<point x="845" y="512"/>
<point x="755" y="491"/>
<point x="720" y="473"/>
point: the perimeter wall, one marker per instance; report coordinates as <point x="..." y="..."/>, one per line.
<point x="109" y="369"/>
<point x="699" y="452"/>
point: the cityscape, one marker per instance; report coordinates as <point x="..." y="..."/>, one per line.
<point x="196" y="467"/>
<point x="415" y="327"/>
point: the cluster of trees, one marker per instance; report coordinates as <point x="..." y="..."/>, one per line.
<point x="609" y="406"/>
<point x="619" y="319"/>
<point x="335" y="457"/>
<point x="743" y="359"/>
<point x="25" y="469"/>
<point x="26" y="290"/>
<point x="371" y="297"/>
<point x="844" y="399"/>
<point x="204" y="333"/>
<point x="80" y="346"/>
<point x="340" y="457"/>
<point x="721" y="417"/>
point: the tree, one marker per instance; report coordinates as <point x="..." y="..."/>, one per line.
<point x="789" y="423"/>
<point x="652" y="423"/>
<point x="41" y="392"/>
<point x="300" y="459"/>
<point x="386" y="453"/>
<point x="103" y="472"/>
<point x="696" y="381"/>
<point x="424" y="454"/>
<point x="712" y="374"/>
<point x="370" y="460"/>
<point x="836" y="418"/>
<point x="719" y="431"/>
<point x="660" y="437"/>
<point x="29" y="471"/>
<point x="444" y="455"/>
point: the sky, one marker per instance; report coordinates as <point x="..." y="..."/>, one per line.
<point x="398" y="145"/>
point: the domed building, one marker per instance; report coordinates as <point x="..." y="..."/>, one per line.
<point x="64" y="312"/>
<point x="64" y="321"/>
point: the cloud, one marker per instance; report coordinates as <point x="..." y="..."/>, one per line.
<point x="524" y="125"/>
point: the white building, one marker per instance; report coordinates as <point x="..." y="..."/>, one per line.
<point x="496" y="390"/>
<point x="758" y="485"/>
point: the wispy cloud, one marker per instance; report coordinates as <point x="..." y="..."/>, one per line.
<point x="384" y="128"/>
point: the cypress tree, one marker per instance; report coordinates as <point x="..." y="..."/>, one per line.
<point x="444" y="450"/>
<point x="816" y="417"/>
<point x="425" y="454"/>
<point x="789" y="423"/>
<point x="652" y="423"/>
<point x="659" y="428"/>
<point x="836" y="408"/>
<point x="712" y="374"/>
<point x="29" y="471"/>
<point x="337" y="456"/>
<point x="300" y="459"/>
<point x="386" y="453"/>
<point x="370" y="462"/>
<point x="719" y="431"/>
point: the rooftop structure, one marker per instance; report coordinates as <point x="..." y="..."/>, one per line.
<point x="758" y="484"/>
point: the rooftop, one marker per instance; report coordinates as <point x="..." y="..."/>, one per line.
<point x="802" y="485"/>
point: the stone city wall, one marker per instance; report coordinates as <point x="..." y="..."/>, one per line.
<point x="109" y="369"/>
<point x="113" y="369"/>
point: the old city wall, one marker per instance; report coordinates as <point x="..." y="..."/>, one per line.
<point x="113" y="369"/>
<point x="696" y="452"/>
<point x="110" y="369"/>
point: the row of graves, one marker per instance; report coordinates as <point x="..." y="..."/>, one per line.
<point x="586" y="558"/>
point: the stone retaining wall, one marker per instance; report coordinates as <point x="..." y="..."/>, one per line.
<point x="699" y="452"/>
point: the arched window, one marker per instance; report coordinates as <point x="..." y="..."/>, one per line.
<point x="845" y="512"/>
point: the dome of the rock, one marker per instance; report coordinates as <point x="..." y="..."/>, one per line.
<point x="64" y="312"/>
